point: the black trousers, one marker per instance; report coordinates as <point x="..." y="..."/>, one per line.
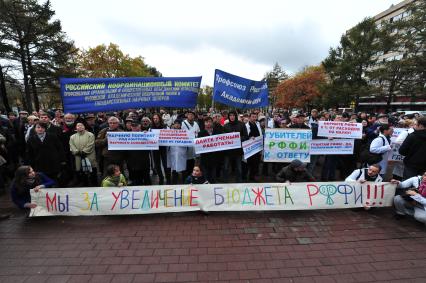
<point x="140" y="177"/>
<point x="253" y="166"/>
<point x="160" y="158"/>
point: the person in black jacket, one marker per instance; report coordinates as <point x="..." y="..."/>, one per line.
<point x="211" y="160"/>
<point x="160" y="155"/>
<point x="234" y="155"/>
<point x="294" y="172"/>
<point x="414" y="150"/>
<point x="138" y="162"/>
<point x="253" y="130"/>
<point x="45" y="152"/>
<point x="299" y="122"/>
<point x="196" y="177"/>
<point x="50" y="127"/>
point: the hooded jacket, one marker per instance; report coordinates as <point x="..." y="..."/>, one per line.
<point x="414" y="150"/>
<point x="236" y="126"/>
<point x="289" y="174"/>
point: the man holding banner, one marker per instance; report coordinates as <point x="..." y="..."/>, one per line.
<point x="253" y="130"/>
<point x="138" y="162"/>
<point x="209" y="161"/>
<point x="234" y="156"/>
<point x="109" y="156"/>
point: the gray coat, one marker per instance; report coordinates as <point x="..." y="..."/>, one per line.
<point x="83" y="143"/>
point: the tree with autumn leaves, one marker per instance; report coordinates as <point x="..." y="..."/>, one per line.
<point x="110" y="62"/>
<point x="303" y="90"/>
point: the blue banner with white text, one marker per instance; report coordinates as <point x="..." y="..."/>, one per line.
<point x="239" y="92"/>
<point x="110" y="94"/>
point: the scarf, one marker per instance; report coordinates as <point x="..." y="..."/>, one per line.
<point x="422" y="188"/>
<point x="115" y="180"/>
<point x="41" y="136"/>
<point x="30" y="180"/>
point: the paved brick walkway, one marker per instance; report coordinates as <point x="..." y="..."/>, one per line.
<point x="290" y="246"/>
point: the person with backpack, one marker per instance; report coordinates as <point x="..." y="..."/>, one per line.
<point x="413" y="201"/>
<point x="370" y="174"/>
<point x="381" y="147"/>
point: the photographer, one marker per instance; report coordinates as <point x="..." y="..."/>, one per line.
<point x="413" y="201"/>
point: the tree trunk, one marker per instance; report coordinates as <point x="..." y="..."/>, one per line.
<point x="390" y="95"/>
<point x="3" y="94"/>
<point x="356" y="103"/>
<point x="32" y="79"/>
<point x="26" y="85"/>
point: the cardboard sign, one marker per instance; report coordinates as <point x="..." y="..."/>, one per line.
<point x="132" y="140"/>
<point x="174" y="137"/>
<point x="346" y="130"/>
<point x="252" y="146"/>
<point x="285" y="145"/>
<point x="336" y="146"/>
<point x="217" y="143"/>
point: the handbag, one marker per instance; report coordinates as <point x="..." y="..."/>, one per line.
<point x="86" y="166"/>
<point x="369" y="157"/>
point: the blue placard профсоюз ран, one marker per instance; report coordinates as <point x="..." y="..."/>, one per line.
<point x="239" y="92"/>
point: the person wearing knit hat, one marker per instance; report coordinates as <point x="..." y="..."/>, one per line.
<point x="295" y="172"/>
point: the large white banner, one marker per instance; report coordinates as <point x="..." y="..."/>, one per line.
<point x="175" y="137"/>
<point x="337" y="146"/>
<point x="133" y="140"/>
<point x="285" y="145"/>
<point x="211" y="197"/>
<point x="217" y="143"/>
<point x="252" y="146"/>
<point x="346" y="130"/>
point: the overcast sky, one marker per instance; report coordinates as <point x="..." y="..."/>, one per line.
<point x="192" y="38"/>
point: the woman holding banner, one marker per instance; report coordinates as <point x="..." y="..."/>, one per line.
<point x="25" y="180"/>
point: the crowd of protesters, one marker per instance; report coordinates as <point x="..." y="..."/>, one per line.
<point x="67" y="150"/>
